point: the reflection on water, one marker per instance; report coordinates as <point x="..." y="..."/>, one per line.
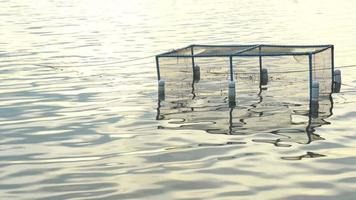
<point x="290" y="122"/>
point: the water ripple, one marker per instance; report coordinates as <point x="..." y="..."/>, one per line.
<point x="80" y="119"/>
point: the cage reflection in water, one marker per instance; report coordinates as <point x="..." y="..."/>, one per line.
<point x="279" y="107"/>
<point x="292" y="122"/>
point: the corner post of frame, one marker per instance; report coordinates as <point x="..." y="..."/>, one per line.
<point x="310" y="58"/>
<point x="231" y="69"/>
<point x="313" y="91"/>
<point x="263" y="71"/>
<point x="192" y="53"/>
<point x="260" y="59"/>
<point x="332" y="63"/>
<point x="157" y="68"/>
<point x="335" y="74"/>
<point x="161" y="83"/>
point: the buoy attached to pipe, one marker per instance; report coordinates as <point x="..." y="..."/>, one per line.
<point x="196" y="73"/>
<point x="264" y="76"/>
<point x="315" y="91"/>
<point x="232" y="92"/>
<point x="337" y="81"/>
<point x="161" y="92"/>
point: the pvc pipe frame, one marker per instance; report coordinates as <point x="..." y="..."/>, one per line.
<point x="251" y="47"/>
<point x="238" y="54"/>
<point x="260" y="55"/>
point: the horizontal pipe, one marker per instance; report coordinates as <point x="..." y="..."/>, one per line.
<point x="274" y="54"/>
<point x="236" y="55"/>
<point x="263" y="45"/>
<point x="321" y="50"/>
<point x="175" y="50"/>
<point x="248" y="49"/>
<point x="207" y="45"/>
<point x="296" y="46"/>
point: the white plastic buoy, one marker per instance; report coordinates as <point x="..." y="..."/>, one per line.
<point x="232" y="92"/>
<point x="161" y="93"/>
<point x="196" y="73"/>
<point x="264" y="76"/>
<point x="337" y="81"/>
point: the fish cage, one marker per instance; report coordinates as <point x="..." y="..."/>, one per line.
<point x="299" y="74"/>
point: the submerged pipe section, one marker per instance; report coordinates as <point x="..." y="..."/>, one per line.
<point x="232" y="93"/>
<point x="315" y="91"/>
<point x="314" y="101"/>
<point x="161" y="90"/>
<point x="232" y="90"/>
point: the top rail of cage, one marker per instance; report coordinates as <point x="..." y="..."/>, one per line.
<point x="249" y="50"/>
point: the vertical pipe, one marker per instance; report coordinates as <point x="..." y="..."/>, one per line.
<point x="195" y="68"/>
<point x="161" y="90"/>
<point x="157" y="67"/>
<point x="231" y="70"/>
<point x="232" y="94"/>
<point x="260" y="60"/>
<point x="232" y="90"/>
<point x="332" y="68"/>
<point x="192" y="53"/>
<point x="193" y="62"/>
<point x="310" y="75"/>
<point x="315" y="91"/>
<point x="314" y="101"/>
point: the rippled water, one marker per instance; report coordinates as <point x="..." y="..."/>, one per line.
<point x="78" y="121"/>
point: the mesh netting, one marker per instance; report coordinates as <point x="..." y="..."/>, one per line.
<point x="282" y="49"/>
<point x="282" y="104"/>
<point x="322" y="71"/>
<point x="288" y="79"/>
<point x="203" y="50"/>
<point x="178" y="74"/>
<point x="209" y="51"/>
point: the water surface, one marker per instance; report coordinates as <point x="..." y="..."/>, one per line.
<point x="80" y="117"/>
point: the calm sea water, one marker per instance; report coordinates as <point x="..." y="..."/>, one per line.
<point x="77" y="121"/>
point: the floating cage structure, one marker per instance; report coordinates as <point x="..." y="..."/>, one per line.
<point x="303" y="73"/>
